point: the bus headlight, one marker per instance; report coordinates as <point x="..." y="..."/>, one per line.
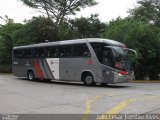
<point x="120" y="75"/>
<point x="107" y="72"/>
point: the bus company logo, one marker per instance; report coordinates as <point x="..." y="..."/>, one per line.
<point x="51" y="62"/>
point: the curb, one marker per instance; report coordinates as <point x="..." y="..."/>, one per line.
<point x="146" y="81"/>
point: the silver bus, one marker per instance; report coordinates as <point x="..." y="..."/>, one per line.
<point x="90" y="60"/>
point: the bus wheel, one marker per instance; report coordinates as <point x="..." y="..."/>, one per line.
<point x="88" y="80"/>
<point x="30" y="75"/>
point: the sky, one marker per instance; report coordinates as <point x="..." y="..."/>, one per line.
<point x="107" y="10"/>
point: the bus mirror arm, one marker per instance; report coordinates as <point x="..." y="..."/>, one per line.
<point x="135" y="52"/>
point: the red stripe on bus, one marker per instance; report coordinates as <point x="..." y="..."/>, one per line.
<point x="37" y="67"/>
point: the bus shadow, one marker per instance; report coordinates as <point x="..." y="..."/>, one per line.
<point x="97" y="85"/>
<point x="113" y="86"/>
<point x="71" y="83"/>
<point x="36" y="80"/>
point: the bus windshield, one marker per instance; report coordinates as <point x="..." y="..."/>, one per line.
<point x="121" y="59"/>
<point x="113" y="56"/>
<point x="116" y="57"/>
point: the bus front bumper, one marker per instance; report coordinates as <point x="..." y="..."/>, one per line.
<point x="118" y="78"/>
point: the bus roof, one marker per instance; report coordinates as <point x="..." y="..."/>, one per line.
<point x="76" y="41"/>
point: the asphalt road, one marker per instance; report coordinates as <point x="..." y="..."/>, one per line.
<point x="21" y="96"/>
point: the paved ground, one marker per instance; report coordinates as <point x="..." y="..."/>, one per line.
<point x="19" y="95"/>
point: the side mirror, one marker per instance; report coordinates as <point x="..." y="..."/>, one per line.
<point x="135" y="52"/>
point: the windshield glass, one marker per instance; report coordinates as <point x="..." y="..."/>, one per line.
<point x="121" y="58"/>
<point x="112" y="56"/>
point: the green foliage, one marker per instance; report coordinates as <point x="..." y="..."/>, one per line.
<point x="39" y="29"/>
<point x="87" y="27"/>
<point x="6" y="41"/>
<point x="36" y="30"/>
<point x="149" y="9"/>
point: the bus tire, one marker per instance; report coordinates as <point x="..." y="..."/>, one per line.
<point x="30" y="75"/>
<point x="88" y="79"/>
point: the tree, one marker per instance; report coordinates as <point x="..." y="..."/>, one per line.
<point x="36" y="30"/>
<point x="87" y="27"/>
<point x="39" y="29"/>
<point x="149" y="9"/>
<point x="59" y="9"/>
<point x="6" y="41"/>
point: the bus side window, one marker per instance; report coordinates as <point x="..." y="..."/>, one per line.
<point x="47" y="52"/>
<point x="36" y="52"/>
<point x="97" y="47"/>
<point x="54" y="52"/>
<point x="81" y="50"/>
<point x="18" y="53"/>
<point x="28" y="53"/>
<point x="65" y="51"/>
<point x="39" y="52"/>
